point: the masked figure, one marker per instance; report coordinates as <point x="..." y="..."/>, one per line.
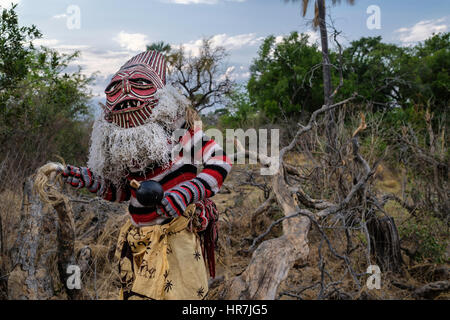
<point x="146" y="133"/>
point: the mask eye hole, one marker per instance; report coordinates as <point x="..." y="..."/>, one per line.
<point x="112" y="87"/>
<point x="141" y="81"/>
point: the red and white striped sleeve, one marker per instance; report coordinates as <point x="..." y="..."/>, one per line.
<point x="216" y="166"/>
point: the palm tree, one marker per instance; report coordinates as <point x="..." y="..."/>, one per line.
<point x="160" y="46"/>
<point x="319" y="21"/>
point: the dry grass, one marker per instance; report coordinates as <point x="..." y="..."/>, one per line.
<point x="388" y="180"/>
<point x="98" y="222"/>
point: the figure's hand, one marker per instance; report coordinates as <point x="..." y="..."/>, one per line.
<point x="79" y="177"/>
<point x="174" y="204"/>
<point x="176" y="200"/>
<point x="200" y="219"/>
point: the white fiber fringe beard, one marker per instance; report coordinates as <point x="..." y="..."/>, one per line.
<point x="115" y="150"/>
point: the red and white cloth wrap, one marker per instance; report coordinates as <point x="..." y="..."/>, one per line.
<point x="208" y="232"/>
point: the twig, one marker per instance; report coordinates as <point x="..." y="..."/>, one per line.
<point x="273" y="224"/>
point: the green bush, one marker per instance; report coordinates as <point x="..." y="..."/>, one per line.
<point x="44" y="110"/>
<point x="429" y="234"/>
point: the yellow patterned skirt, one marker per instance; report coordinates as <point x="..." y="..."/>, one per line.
<point x="162" y="262"/>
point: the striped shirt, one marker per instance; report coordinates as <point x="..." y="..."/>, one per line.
<point x="180" y="179"/>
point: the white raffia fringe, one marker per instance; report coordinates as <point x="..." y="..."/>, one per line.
<point x="114" y="149"/>
<point x="170" y="108"/>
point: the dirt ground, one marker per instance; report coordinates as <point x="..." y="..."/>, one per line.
<point x="98" y="223"/>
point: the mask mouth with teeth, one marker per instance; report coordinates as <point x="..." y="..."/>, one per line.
<point x="140" y="114"/>
<point x="130" y="96"/>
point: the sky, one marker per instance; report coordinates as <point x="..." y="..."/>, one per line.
<point x="109" y="32"/>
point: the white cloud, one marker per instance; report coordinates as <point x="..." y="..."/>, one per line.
<point x="132" y="41"/>
<point x="7" y="3"/>
<point x="228" y="73"/>
<point x="46" y="42"/>
<point x="236" y="42"/>
<point x="104" y="63"/>
<point x="229" y="42"/>
<point x="60" y="16"/>
<point x="278" y="39"/>
<point x="422" y="30"/>
<point x="192" y="1"/>
<point x="235" y="74"/>
<point x="313" y="37"/>
<point x="199" y="1"/>
<point x="55" y="44"/>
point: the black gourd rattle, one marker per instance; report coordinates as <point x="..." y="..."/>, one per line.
<point x="149" y="193"/>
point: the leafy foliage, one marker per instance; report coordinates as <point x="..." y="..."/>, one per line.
<point x="428" y="67"/>
<point x="373" y="69"/>
<point x="160" y="46"/>
<point x="240" y="112"/>
<point x="286" y="80"/>
<point x="427" y="233"/>
<point x="285" y="77"/>
<point x="15" y="55"/>
<point x="43" y="109"/>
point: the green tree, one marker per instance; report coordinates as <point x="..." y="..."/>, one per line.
<point x="44" y="110"/>
<point x="239" y="112"/>
<point x="16" y="48"/>
<point x="428" y="70"/>
<point x="374" y="70"/>
<point x="283" y="79"/>
<point x="160" y="46"/>
<point x="319" y="21"/>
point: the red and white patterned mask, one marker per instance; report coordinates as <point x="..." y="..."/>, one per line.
<point x="130" y="96"/>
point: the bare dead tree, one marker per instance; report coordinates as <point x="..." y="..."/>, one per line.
<point x="31" y="275"/>
<point x="37" y="246"/>
<point x="272" y="259"/>
<point x="201" y="76"/>
<point x="3" y="276"/>
<point x="434" y="192"/>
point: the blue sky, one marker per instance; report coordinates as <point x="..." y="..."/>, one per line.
<point x="112" y="31"/>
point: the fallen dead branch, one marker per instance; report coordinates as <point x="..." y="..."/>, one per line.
<point x="272" y="259"/>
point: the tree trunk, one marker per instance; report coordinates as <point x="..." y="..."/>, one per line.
<point x="386" y="243"/>
<point x="326" y="70"/>
<point x="273" y="258"/>
<point x="33" y="254"/>
<point x="3" y="276"/>
<point x="66" y="246"/>
<point x="44" y="245"/>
